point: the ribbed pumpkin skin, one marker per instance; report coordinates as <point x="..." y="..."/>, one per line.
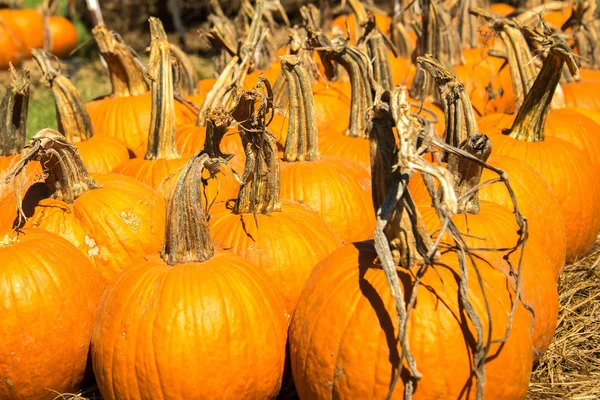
<point x="582" y="94"/>
<point x="50" y="293"/>
<point x="27" y="25"/>
<point x="345" y="324"/>
<point x="495" y="227"/>
<point x="337" y="189"/>
<point x="572" y="178"/>
<point x="567" y="124"/>
<point x="341" y="145"/>
<point x="192" y="331"/>
<point x="286" y="245"/>
<point x="536" y="202"/>
<point x="101" y="154"/>
<point x="64" y="36"/>
<point x="114" y="225"/>
<point x="128" y="119"/>
<point x="153" y="173"/>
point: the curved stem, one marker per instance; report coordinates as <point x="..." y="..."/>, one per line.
<point x="217" y="125"/>
<point x="586" y="36"/>
<point x="13" y="113"/>
<point x="259" y="189"/>
<point x="124" y="65"/>
<point x="399" y="35"/>
<point x="530" y="121"/>
<point x="187" y="234"/>
<point x="161" y="138"/>
<point x="302" y="138"/>
<point x="469" y="24"/>
<point x="187" y="81"/>
<point x="73" y="119"/>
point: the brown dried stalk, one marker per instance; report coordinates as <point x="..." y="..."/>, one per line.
<point x="13" y="113"/>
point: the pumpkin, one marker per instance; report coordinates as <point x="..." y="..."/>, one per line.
<point x="99" y="153"/>
<point x="126" y="114"/>
<point x="353" y="23"/>
<point x="336" y="188"/>
<point x="214" y="312"/>
<point x="50" y="293"/>
<point x="502" y="9"/>
<point x="13" y="117"/>
<point x="13" y="51"/>
<point x="111" y="218"/>
<point x="63" y="36"/>
<point x="275" y="235"/>
<point x="162" y="160"/>
<point x="348" y="296"/>
<point x="27" y="26"/>
<point x="567" y="169"/>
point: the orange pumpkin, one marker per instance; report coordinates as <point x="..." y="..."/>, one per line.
<point x="50" y="293"/>
<point x="126" y="114"/>
<point x="275" y="235"/>
<point x="337" y="189"/>
<point x="63" y="36"/>
<point x="27" y="26"/>
<point x="13" y="50"/>
<point x="99" y="153"/>
<point x="214" y="312"/>
<point x="111" y="218"/>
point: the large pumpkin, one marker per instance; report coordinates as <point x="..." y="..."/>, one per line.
<point x="337" y="189"/>
<point x="126" y="114"/>
<point x="111" y="218"/>
<point x="213" y="312"/>
<point x="13" y="50"/>
<point x="26" y="25"/>
<point x="50" y="292"/>
<point x="275" y="235"/>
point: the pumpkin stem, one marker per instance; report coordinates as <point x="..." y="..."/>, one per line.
<point x="65" y="175"/>
<point x="358" y="66"/>
<point x="302" y="138"/>
<point x="586" y="35"/>
<point x="458" y="112"/>
<point x="187" y="83"/>
<point x="13" y="113"/>
<point x="217" y="124"/>
<point x="399" y="35"/>
<point x="125" y="67"/>
<point x="259" y="190"/>
<point x="187" y="234"/>
<point x="440" y="39"/>
<point x="530" y="121"/>
<point x="223" y="91"/>
<point x="377" y="45"/>
<point x="73" y="119"/>
<point x="469" y="24"/>
<point x="161" y="138"/>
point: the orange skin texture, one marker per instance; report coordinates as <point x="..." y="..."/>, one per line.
<point x="282" y="244"/>
<point x="403" y="70"/>
<point x="567" y="124"/>
<point x="102" y="154"/>
<point x="220" y="322"/>
<point x="340" y="145"/>
<point x="572" y="178"/>
<point x="382" y="21"/>
<point x="332" y="102"/>
<point x="337" y="189"/>
<point x="589" y="75"/>
<point x="113" y="225"/>
<point x="268" y="74"/>
<point x="582" y="94"/>
<point x="159" y="174"/>
<point x="558" y="18"/>
<point x="476" y="77"/>
<point x="495" y="227"/>
<point x="33" y="174"/>
<point x="27" y="25"/>
<point x="535" y="199"/>
<point x="128" y="119"/>
<point x="502" y="9"/>
<point x="13" y="50"/>
<point x="347" y="300"/>
<point x="204" y="86"/>
<point x="64" y="36"/>
<point x="50" y="292"/>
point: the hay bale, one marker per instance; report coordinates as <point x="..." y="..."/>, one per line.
<point x="570" y="369"/>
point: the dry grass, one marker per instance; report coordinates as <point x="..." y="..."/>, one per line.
<point x="570" y="369"/>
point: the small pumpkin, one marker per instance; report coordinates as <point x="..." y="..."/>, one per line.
<point x="214" y="312"/>
<point x="63" y="36"/>
<point x="26" y="25"/>
<point x="50" y="294"/>
<point x="126" y="113"/>
<point x="13" y="51"/>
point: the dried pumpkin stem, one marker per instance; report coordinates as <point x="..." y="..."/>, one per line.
<point x="259" y="189"/>
<point x="161" y="138"/>
<point x="377" y="46"/>
<point x="217" y="124"/>
<point x="187" y="234"/>
<point x="13" y="113"/>
<point x="73" y="119"/>
<point x="440" y="39"/>
<point x="399" y="35"/>
<point x="302" y="138"/>
<point x="187" y="81"/>
<point x="469" y="24"/>
<point x="530" y="121"/>
<point x="586" y="33"/>
<point x="65" y="175"/>
<point x="125" y="67"/>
